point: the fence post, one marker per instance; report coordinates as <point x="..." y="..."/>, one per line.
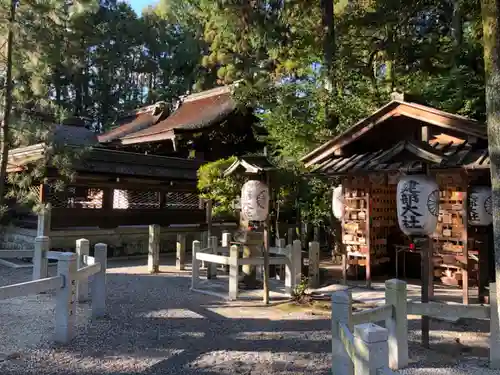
<point x="397" y="325"/>
<point x="280" y="243"/>
<point x="313" y="264"/>
<point x="233" y="272"/>
<point x="154" y="249"/>
<point x="195" y="268"/>
<point x="370" y="345"/>
<point x="65" y="300"/>
<point x="494" y="329"/>
<point x="212" y="267"/>
<point x="181" y="252"/>
<point x="40" y="262"/>
<point x="297" y="262"/>
<point x="289" y="271"/>
<point x="44" y="221"/>
<point x="226" y="243"/>
<point x="280" y="268"/>
<point x="341" y="313"/>
<point x="99" y="281"/>
<point x="82" y="286"/>
<point x="226" y="239"/>
<point x="204" y="245"/>
<point x="290" y="235"/>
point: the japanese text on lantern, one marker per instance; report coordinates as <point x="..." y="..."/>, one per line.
<point x="473" y="206"/>
<point x="247" y="206"/>
<point x="409" y="197"/>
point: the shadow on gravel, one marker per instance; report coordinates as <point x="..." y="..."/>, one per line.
<point x="158" y="319"/>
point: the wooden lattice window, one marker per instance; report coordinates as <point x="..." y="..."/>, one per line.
<point x="182" y="200"/>
<point x="75" y="197"/>
<point x="131" y="199"/>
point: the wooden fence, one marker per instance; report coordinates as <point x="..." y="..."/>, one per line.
<point x="364" y="351"/>
<point x="70" y="284"/>
<point x="229" y="257"/>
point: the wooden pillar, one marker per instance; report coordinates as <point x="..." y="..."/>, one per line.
<point x="180" y="261"/>
<point x="66" y="298"/>
<point x="341" y="314"/>
<point x="154" y="249"/>
<point x="424" y="244"/>
<point x="396" y="295"/>
<point x="466" y="266"/>
<point x="484" y="272"/>
<point x="99" y="283"/>
<point x="370" y="340"/>
<point x="107" y="198"/>
<point x="233" y="272"/>
<point x="212" y="267"/>
<point x="82" y="251"/>
<point x="226" y="243"/>
<point x="195" y="269"/>
<point x="209" y="217"/>
<point x="290" y="236"/>
<point x="494" y="330"/>
<point x="280" y="269"/>
<point x="368" y="243"/>
<point x="40" y="262"/>
<point x="314" y="264"/>
<point x="265" y="281"/>
<point x="44" y="221"/>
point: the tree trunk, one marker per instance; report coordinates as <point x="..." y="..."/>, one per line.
<point x="490" y="11"/>
<point x="328" y="42"/>
<point x="8" y="105"/>
<point x="457" y="27"/>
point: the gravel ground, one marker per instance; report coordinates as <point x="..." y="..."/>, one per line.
<point x="155" y="325"/>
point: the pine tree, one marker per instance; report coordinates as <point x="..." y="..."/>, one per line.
<point x="491" y="36"/>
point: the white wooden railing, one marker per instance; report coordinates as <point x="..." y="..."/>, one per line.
<point x="346" y="355"/>
<point x="73" y="272"/>
<point x="289" y="256"/>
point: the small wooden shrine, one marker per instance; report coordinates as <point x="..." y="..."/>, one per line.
<point x="408" y="138"/>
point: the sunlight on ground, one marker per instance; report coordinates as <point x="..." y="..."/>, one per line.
<point x="172" y="313"/>
<point x="139" y="360"/>
<point x="225" y="362"/>
<point x="289" y="335"/>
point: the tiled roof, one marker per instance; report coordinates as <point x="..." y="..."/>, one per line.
<point x="435" y="154"/>
<point x="396" y="108"/>
<point x="69" y="135"/>
<point x="135" y="121"/>
<point x="102" y="160"/>
<point x="196" y="111"/>
<point x="251" y="164"/>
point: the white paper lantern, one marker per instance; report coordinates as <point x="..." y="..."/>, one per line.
<point x="338" y="203"/>
<point x="480" y="208"/>
<point x="418" y="205"/>
<point x="255" y="200"/>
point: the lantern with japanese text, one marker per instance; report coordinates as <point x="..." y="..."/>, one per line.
<point x="338" y="202"/>
<point x="480" y="208"/>
<point x="418" y="205"/>
<point x="255" y="200"/>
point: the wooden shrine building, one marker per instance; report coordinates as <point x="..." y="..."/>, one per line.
<point x="209" y="125"/>
<point x="141" y="172"/>
<point x="400" y="138"/>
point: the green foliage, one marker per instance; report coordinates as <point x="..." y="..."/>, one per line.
<point x="99" y="59"/>
<point x="222" y="190"/>
<point x="299" y="291"/>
